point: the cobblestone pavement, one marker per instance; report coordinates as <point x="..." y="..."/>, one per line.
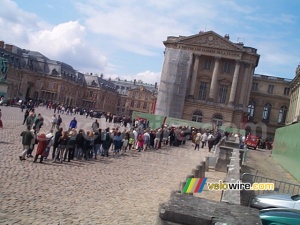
<point x="115" y="190"/>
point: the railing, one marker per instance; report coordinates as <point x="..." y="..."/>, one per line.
<point x="280" y="187"/>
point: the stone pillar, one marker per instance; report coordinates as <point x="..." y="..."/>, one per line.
<point x="214" y="80"/>
<point x="244" y="84"/>
<point x="234" y="82"/>
<point x="250" y="80"/>
<point x="194" y="75"/>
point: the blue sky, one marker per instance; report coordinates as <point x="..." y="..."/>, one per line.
<point x="124" y="38"/>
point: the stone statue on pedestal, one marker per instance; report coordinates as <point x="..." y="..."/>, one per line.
<point x="3" y="68"/>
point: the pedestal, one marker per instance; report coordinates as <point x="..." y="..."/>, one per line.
<point x="3" y="88"/>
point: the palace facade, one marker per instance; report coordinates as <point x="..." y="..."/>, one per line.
<point x="32" y="75"/>
<point x="209" y="79"/>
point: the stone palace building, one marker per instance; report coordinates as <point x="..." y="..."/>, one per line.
<point x="32" y="75"/>
<point x="207" y="78"/>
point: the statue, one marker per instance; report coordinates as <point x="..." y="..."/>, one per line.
<point x="3" y="68"/>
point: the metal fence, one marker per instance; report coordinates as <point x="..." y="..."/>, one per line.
<point x="280" y="187"/>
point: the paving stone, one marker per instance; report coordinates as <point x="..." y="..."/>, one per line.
<point x="116" y="190"/>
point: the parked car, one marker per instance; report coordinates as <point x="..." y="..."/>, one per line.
<point x="276" y="201"/>
<point x="280" y="216"/>
<point x="251" y="141"/>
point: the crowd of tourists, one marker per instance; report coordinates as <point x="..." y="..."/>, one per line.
<point x="76" y="144"/>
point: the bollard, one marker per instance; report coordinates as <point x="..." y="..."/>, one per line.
<point x="204" y="166"/>
<point x="196" y="173"/>
<point x="201" y="170"/>
<point x="182" y="185"/>
<point x="189" y="176"/>
<point x="207" y="163"/>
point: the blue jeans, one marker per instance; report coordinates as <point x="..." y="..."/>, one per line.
<point x="96" y="149"/>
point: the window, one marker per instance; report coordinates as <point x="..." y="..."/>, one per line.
<point x="286" y="91"/>
<point x="266" y="112"/>
<point x="226" y="67"/>
<point x="223" y="93"/>
<point x="254" y="86"/>
<point x="207" y="64"/>
<point x="132" y="103"/>
<point x="138" y="105"/>
<point x="217" y="120"/>
<point x="91" y="94"/>
<point x="270" y="88"/>
<point x="145" y="105"/>
<point x="197" y="116"/>
<point x="251" y="109"/>
<point x="203" y="90"/>
<point x="282" y="114"/>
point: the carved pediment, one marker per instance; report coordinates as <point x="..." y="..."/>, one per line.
<point x="210" y="39"/>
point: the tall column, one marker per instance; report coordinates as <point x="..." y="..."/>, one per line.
<point x="234" y="82"/>
<point x="246" y="76"/>
<point x="194" y="75"/>
<point x="298" y="104"/>
<point x="250" y="80"/>
<point x="214" y="80"/>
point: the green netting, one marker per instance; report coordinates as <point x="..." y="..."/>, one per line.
<point x="286" y="148"/>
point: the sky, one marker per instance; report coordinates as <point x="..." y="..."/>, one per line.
<point x="124" y="38"/>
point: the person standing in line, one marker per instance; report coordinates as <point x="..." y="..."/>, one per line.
<point x="124" y="144"/>
<point x="204" y="139"/>
<point x="197" y="141"/>
<point x="50" y="139"/>
<point x="1" y="123"/>
<point x="53" y="121"/>
<point x="57" y="136"/>
<point x="97" y="143"/>
<point x="62" y="147"/>
<point x="30" y="120"/>
<point x="146" y="140"/>
<point x="41" y="148"/>
<point x="79" y="144"/>
<point x="117" y="143"/>
<point x="140" y="142"/>
<point x="58" y="122"/>
<point x="27" y="137"/>
<point x="26" y="114"/>
<point x="106" y="142"/>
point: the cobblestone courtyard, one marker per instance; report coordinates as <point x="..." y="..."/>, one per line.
<point x="115" y="190"/>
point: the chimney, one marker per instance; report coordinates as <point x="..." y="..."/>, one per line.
<point x="134" y="81"/>
<point x="227" y="37"/>
<point x="101" y="76"/>
<point x="1" y="44"/>
<point x="91" y="74"/>
<point x="155" y="85"/>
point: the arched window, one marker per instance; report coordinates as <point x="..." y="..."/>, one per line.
<point x="217" y="120"/>
<point x="251" y="109"/>
<point x="266" y="112"/>
<point x="138" y="105"/>
<point x="282" y="114"/>
<point x="197" y="116"/>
